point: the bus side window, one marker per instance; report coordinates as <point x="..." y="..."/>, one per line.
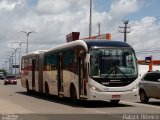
<point x="22" y="66"/>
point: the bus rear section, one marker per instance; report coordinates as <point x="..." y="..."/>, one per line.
<point x="32" y="71"/>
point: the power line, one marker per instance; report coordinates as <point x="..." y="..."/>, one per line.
<point x="147" y="28"/>
<point x="151" y="26"/>
<point x="147" y="51"/>
<point x="141" y="53"/>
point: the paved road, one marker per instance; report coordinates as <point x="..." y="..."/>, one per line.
<point x="15" y="101"/>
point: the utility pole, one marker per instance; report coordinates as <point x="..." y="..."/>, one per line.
<point x="125" y="31"/>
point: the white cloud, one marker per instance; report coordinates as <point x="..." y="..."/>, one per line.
<point x="8" y="5"/>
<point x="52" y="6"/>
<point x="53" y="19"/>
<point x="59" y="6"/>
<point x="145" y="36"/>
<point x="120" y="8"/>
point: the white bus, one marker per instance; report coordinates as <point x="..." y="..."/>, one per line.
<point x="83" y="69"/>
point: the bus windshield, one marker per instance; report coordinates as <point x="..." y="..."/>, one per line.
<point x="113" y="63"/>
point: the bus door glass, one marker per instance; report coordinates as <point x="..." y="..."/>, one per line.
<point x="82" y="73"/>
<point x="33" y="72"/>
<point x="60" y="73"/>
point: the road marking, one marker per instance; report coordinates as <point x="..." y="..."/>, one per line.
<point x="140" y="104"/>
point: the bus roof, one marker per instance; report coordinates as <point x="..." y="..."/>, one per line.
<point x="90" y="42"/>
<point x="36" y="52"/>
<point x="70" y="45"/>
<point x="109" y="43"/>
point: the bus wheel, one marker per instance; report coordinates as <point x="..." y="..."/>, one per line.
<point x="143" y="97"/>
<point x="46" y="90"/>
<point x="115" y="102"/>
<point x="27" y="86"/>
<point x="73" y="95"/>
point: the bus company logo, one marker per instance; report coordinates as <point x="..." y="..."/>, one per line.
<point x="105" y="83"/>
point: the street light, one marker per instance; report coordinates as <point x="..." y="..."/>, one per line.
<point x="27" y="33"/>
<point x="15" y="66"/>
<point x="20" y="43"/>
<point x="90" y="20"/>
<point x="6" y="64"/>
<point x="10" y="62"/>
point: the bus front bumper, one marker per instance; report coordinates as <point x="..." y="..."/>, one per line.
<point x="104" y="96"/>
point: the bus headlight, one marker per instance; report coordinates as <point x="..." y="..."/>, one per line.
<point x="94" y="88"/>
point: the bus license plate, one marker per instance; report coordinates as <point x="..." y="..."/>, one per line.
<point x="116" y="96"/>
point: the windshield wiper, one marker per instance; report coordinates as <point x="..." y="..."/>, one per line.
<point x="116" y="68"/>
<point x="122" y="72"/>
<point x="110" y="72"/>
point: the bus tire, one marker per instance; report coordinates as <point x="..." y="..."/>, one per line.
<point x="27" y="87"/>
<point x="115" y="102"/>
<point x="73" y="94"/>
<point x="143" y="97"/>
<point x="46" y="90"/>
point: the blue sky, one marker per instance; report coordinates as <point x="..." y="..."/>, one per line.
<point x="32" y="2"/>
<point x="102" y="5"/>
<point x="148" y="8"/>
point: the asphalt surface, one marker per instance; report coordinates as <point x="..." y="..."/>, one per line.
<point x="15" y="103"/>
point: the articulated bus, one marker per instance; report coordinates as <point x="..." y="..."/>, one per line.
<point x="82" y="70"/>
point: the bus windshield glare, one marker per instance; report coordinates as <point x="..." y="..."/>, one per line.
<point x="113" y="63"/>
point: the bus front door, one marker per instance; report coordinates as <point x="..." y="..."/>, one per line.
<point x="60" y="75"/>
<point x="82" y="80"/>
<point x="33" y="73"/>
